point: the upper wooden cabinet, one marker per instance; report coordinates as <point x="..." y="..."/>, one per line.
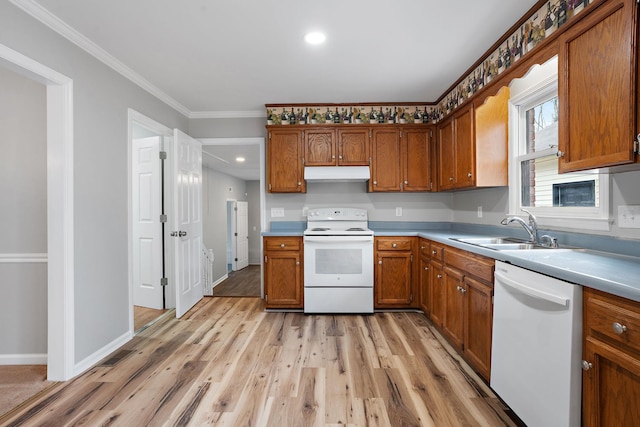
<point x="473" y="145"/>
<point x="325" y="146"/>
<point x="385" y="160"/>
<point x="285" y="169"/>
<point x="597" y="88"/>
<point x="401" y="159"/>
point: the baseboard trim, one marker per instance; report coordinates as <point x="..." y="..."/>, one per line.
<point x="93" y="359"/>
<point x="23" y="359"/>
<point x="220" y="280"/>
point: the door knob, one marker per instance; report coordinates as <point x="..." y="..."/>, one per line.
<point x="178" y="233"/>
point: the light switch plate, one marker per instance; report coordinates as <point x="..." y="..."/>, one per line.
<point x="277" y="212"/>
<point x="629" y="216"/>
<point x="398" y="211"/>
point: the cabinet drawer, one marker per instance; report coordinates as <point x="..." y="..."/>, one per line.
<point x="393" y="244"/>
<point x="437" y="252"/>
<point x="616" y="318"/>
<point x="282" y="243"/>
<point x="475" y="265"/>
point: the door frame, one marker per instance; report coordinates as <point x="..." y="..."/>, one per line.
<point x="139" y="119"/>
<point x="60" y="202"/>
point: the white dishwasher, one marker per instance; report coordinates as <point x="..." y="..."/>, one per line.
<point x="537" y="346"/>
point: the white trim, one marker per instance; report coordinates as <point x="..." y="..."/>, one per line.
<point x="23" y="359"/>
<point x="228" y="114"/>
<point x="220" y="280"/>
<point x="23" y="258"/>
<point x="60" y="224"/>
<point x="93" y="359"/>
<point x="38" y="12"/>
<point x="165" y="133"/>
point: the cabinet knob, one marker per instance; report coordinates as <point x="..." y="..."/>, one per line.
<point x="333" y="157"/>
<point x="586" y="365"/>
<point x="560" y="153"/>
<point x="439" y="276"/>
<point x="434" y="252"/>
<point x="299" y="183"/>
<point x="406" y="183"/>
<point x="469" y="175"/>
<point x="422" y="248"/>
<point x="375" y="182"/>
<point x="380" y="262"/>
<point x="450" y="178"/>
<point x="297" y="262"/>
<point x="339" y="157"/>
<point x="426" y="269"/>
<point x="619" y="328"/>
<point x="395" y="245"/>
<point x="282" y="245"/>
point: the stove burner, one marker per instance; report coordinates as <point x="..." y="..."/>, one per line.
<point x="355" y="229"/>
<point x="320" y="229"/>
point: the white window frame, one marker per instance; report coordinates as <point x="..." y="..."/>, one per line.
<point x="538" y="86"/>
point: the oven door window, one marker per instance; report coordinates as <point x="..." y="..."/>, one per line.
<point x="338" y="261"/>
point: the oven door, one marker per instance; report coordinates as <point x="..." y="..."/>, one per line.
<point x="338" y="261"/>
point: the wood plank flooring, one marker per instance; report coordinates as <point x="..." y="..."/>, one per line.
<point x="240" y="283"/>
<point x="230" y="363"/>
<point x="143" y="315"/>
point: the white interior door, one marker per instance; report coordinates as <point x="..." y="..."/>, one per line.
<point x="187" y="222"/>
<point x="147" y="230"/>
<point x="242" y="235"/>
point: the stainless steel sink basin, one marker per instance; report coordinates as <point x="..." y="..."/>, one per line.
<point x="500" y="243"/>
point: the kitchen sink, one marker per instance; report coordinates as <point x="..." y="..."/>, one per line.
<point x="500" y="243"/>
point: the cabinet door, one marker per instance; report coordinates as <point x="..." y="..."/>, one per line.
<point x="478" y="324"/>
<point x="597" y="90"/>
<point x="446" y="156"/>
<point x="283" y="279"/>
<point x="464" y="148"/>
<point x="385" y="162"/>
<point x="416" y="159"/>
<point x="353" y="147"/>
<point x="453" y="322"/>
<point x="319" y="147"/>
<point x="611" y="388"/>
<point x="284" y="162"/>
<point x="438" y="294"/>
<point x="393" y="279"/>
<point x="425" y="285"/>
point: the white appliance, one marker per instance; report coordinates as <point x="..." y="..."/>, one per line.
<point x="536" y="350"/>
<point x="338" y="261"/>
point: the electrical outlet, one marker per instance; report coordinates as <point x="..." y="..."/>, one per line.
<point x="479" y="211"/>
<point x="629" y="216"/>
<point x="305" y="211"/>
<point x="277" y="212"/>
<point x="398" y="211"/>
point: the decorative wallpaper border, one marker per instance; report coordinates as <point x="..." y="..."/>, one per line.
<point x="540" y="25"/>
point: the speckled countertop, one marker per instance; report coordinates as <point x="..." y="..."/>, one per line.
<point x="608" y="264"/>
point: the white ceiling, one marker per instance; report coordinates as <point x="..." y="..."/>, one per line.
<point x="232" y="57"/>
<point x="213" y="58"/>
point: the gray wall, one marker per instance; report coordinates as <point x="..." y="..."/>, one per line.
<point x="101" y="98"/>
<point x="23" y="214"/>
<point x="253" y="199"/>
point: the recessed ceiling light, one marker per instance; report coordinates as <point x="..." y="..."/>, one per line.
<point x="314" y="38"/>
<point x="240" y="159"/>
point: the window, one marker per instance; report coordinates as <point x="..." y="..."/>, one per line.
<point x="573" y="200"/>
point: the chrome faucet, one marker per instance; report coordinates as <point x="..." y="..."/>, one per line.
<point x="531" y="227"/>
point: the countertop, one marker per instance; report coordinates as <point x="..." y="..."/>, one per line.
<point x="617" y="274"/>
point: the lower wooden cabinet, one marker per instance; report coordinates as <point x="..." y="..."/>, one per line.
<point x="611" y="353"/>
<point x="283" y="280"/>
<point x="393" y="283"/>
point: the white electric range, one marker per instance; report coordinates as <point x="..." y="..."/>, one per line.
<point x="338" y="261"/>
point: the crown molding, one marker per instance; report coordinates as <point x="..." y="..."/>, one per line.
<point x="38" y="12"/>
<point x="227" y="114"/>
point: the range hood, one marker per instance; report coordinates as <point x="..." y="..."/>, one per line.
<point x="336" y="173"/>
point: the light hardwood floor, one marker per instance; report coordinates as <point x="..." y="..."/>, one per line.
<point x="241" y="283"/>
<point x="227" y="362"/>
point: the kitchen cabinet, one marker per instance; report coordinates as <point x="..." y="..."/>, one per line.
<point x="611" y="352"/>
<point x="473" y="145"/>
<point x="424" y="276"/>
<point x="385" y="160"/>
<point x="283" y="284"/>
<point x="437" y="302"/>
<point x="597" y="89"/>
<point x="336" y="146"/>
<point x="285" y="169"/>
<point x="393" y="281"/>
<point x="466" y="306"/>
<point x="416" y="149"/>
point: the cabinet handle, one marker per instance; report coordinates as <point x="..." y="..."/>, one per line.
<point x="333" y="157"/>
<point x="375" y="182"/>
<point x="560" y="153"/>
<point x="469" y="175"/>
<point x="282" y="245"/>
<point x="395" y="245"/>
<point x="339" y="157"/>
<point x="406" y="183"/>
<point x="299" y="183"/>
<point x="434" y="252"/>
<point x="586" y="365"/>
<point x="380" y="262"/>
<point x="439" y="276"/>
<point x="426" y="269"/>
<point x="297" y="262"/>
<point x="422" y="248"/>
<point x="451" y="179"/>
<point x="619" y="328"/>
